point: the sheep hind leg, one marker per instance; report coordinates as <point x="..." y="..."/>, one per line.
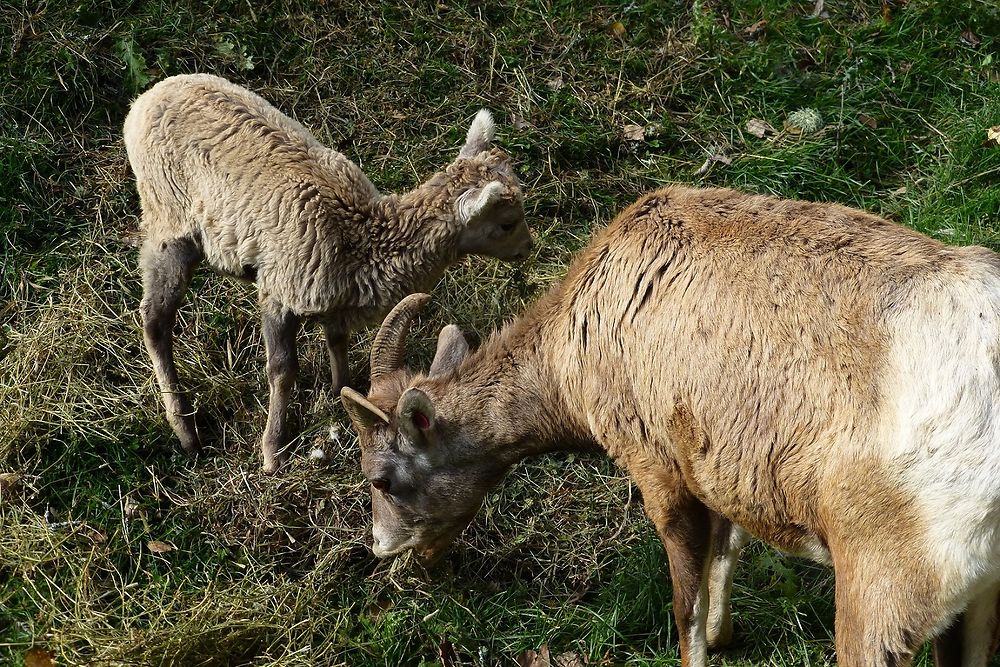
<point x="728" y="541"/>
<point x="167" y="267"/>
<point x="336" y="347"/>
<point x="884" y="611"/>
<point x="981" y="624"/>
<point x="948" y="644"/>
<point x="971" y="638"/>
<point x="279" y="326"/>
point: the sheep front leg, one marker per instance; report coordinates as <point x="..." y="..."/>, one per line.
<point x="684" y="526"/>
<point x="279" y="326"/>
<point x="336" y="346"/>
<point x="167" y="267"/>
<point x="728" y="540"/>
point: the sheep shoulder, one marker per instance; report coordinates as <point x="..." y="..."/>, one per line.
<point x="743" y="338"/>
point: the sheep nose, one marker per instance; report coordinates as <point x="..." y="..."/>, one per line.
<point x="526" y="249"/>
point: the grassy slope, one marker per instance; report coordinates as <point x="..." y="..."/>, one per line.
<point x="276" y="571"/>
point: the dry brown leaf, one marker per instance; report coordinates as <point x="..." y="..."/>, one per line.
<point x="634" y="132"/>
<point x="539" y="658"/>
<point x="39" y="657"/>
<point x="10" y="482"/>
<point x="993" y="134"/>
<point x="865" y="119"/>
<point x="519" y="123"/>
<point x="556" y="82"/>
<point x="158" y="547"/>
<point x="618" y="29"/>
<point x="756" y="30"/>
<point x="570" y="660"/>
<point x="760" y="128"/>
<point x="971" y="38"/>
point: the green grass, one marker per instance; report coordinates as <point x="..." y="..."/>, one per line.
<point x="277" y="571"/>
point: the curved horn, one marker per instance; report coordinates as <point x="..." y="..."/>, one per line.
<point x="390" y="341"/>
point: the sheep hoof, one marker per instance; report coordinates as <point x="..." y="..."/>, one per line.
<point x="272" y="463"/>
<point x="191" y="445"/>
<point x="720" y="638"/>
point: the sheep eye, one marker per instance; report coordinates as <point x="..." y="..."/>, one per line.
<point x="508" y="226"/>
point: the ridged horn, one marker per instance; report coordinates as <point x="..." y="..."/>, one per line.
<point x="390" y="341"/>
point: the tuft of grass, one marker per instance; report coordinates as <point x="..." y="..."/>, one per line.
<point x="277" y="571"/>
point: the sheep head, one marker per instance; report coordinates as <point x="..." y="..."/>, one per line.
<point x="491" y="207"/>
<point x="426" y="481"/>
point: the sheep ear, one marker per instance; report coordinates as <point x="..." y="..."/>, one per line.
<point x="416" y="415"/>
<point x="452" y="348"/>
<point x="363" y="413"/>
<point x="476" y="201"/>
<point x="480" y="135"/>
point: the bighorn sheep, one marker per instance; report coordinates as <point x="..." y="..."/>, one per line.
<point x="225" y="177"/>
<point x="814" y="374"/>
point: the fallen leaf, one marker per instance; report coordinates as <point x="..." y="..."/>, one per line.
<point x="618" y="29"/>
<point x="519" y="122"/>
<point x="555" y="83"/>
<point x="634" y="132"/>
<point x="754" y="31"/>
<point x="158" y="547"/>
<point x="10" y="482"/>
<point x="569" y="660"/>
<point x="865" y="119"/>
<point x="39" y="657"/>
<point x="760" y="128"/>
<point x="993" y="134"/>
<point x="901" y="190"/>
<point x="971" y="38"/>
<point x="539" y="658"/>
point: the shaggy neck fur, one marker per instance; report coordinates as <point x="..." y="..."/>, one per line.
<point x="415" y="236"/>
<point x="510" y="381"/>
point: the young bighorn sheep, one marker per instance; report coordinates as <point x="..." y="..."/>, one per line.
<point x="226" y="178"/>
<point x="816" y="375"/>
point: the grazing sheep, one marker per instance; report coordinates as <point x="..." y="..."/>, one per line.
<point x="814" y="374"/>
<point x="226" y="178"/>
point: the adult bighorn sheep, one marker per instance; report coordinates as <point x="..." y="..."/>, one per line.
<point x="226" y="178"/>
<point x="813" y="374"/>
